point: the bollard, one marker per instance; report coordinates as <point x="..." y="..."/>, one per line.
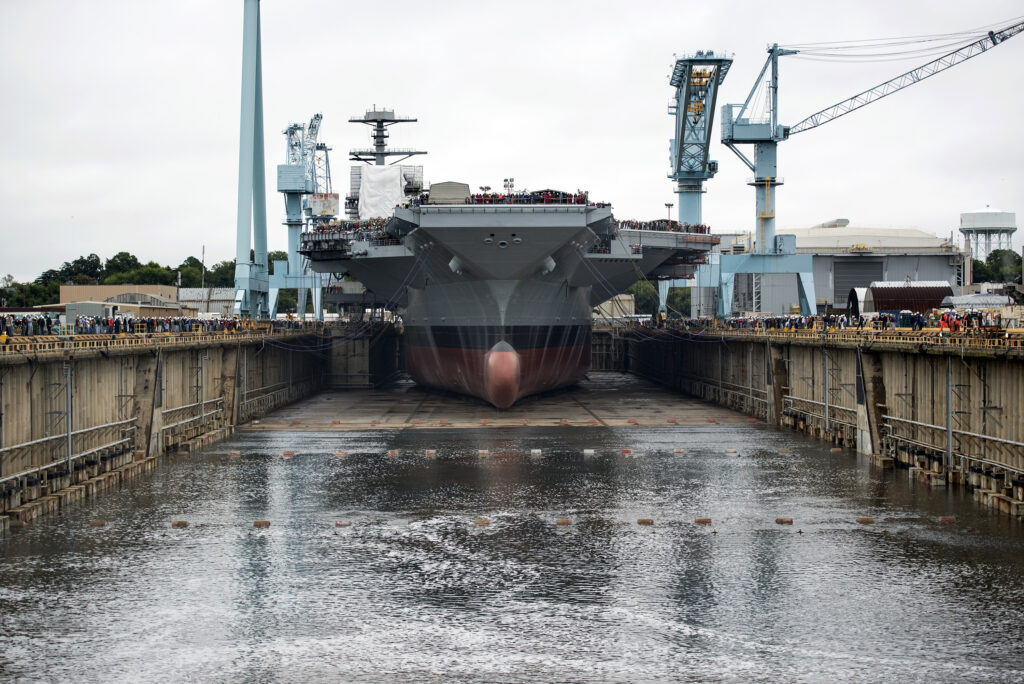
<point x="588" y="452"/>
<point x="97" y="523"/>
<point x="482" y="452"/>
<point x="430" y="452"/>
<point x="702" y="521"/>
<point x="645" y="521"/>
<point x="392" y="453"/>
<point x="783" y="521"/>
<point x="947" y="519"/>
<point x="535" y="452"/>
<point x="180" y="524"/>
<point x="343" y="523"/>
<point x="482" y="522"/>
<point x="261" y="524"/>
<point x="340" y="453"/>
<point x="563" y="521"/>
<point x="712" y="420"/>
<point x="679" y="451"/>
<point x="627" y="452"/>
<point x="287" y="453"/>
<point x="866" y="520"/>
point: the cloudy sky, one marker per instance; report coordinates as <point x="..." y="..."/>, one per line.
<point x="119" y="123"/>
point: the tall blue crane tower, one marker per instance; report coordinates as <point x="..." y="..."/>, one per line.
<point x="251" y="277"/>
<point x="696" y="78"/>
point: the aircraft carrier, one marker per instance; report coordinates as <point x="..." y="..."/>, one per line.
<point x="496" y="291"/>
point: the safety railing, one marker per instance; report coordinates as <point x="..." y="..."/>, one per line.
<point x="36" y="455"/>
<point x="985" y="339"/>
<point x="42" y="344"/>
<point x="965" y="444"/>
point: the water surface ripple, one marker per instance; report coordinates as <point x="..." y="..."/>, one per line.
<point x="414" y="591"/>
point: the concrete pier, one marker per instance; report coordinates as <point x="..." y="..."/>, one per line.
<point x="951" y="408"/>
<point x="81" y="415"/>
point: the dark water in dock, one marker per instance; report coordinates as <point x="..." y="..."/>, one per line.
<point x="414" y="591"/>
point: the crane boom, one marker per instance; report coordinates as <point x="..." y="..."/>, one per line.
<point x="908" y="79"/>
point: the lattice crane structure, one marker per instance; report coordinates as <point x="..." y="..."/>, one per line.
<point x="746" y="124"/>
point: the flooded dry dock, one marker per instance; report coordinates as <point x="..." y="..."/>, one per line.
<point x="382" y="561"/>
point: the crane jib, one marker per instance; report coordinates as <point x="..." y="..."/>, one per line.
<point x="909" y="78"/>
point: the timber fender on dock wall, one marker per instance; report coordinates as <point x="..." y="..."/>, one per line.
<point x="85" y="420"/>
<point x="952" y="414"/>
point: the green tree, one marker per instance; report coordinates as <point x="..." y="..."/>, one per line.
<point x="90" y="266"/>
<point x="679" y="302"/>
<point x="980" y="272"/>
<point x="1004" y="265"/>
<point x="150" y="274"/>
<point x="122" y="262"/>
<point x="645" y="297"/>
<point x="221" y="274"/>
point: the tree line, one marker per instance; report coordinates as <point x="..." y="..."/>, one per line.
<point x="1000" y="266"/>
<point x="123" y="268"/>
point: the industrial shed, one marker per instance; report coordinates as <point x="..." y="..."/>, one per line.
<point x="898" y="296"/>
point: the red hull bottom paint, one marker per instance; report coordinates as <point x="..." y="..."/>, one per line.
<point x="501" y="376"/>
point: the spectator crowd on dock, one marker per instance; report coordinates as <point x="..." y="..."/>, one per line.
<point x="951" y="321"/>
<point x="34" y="325"/>
<point x="664" y="225"/>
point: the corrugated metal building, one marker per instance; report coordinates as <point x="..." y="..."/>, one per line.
<point x="845" y="257"/>
<point x="208" y="300"/>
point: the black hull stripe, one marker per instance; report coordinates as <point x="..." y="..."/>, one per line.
<point x="485" y="337"/>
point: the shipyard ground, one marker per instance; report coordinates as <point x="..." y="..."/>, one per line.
<point x="604" y="399"/>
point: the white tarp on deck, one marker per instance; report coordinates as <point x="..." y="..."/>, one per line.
<point x="380" y="190"/>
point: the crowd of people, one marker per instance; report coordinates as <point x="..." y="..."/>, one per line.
<point x="665" y="225"/>
<point x="49" y="324"/>
<point x="28" y="324"/>
<point x="950" y="321"/>
<point x="541" y="197"/>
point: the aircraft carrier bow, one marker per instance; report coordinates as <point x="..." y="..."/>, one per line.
<point x="496" y="292"/>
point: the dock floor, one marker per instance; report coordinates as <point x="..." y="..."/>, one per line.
<point x="604" y="399"/>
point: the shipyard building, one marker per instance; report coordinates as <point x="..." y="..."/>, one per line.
<point x="845" y="256"/>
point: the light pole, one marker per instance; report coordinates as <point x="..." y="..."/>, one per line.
<point x="668" y="206"/>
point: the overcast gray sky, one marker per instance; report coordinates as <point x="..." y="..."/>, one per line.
<point x="119" y="123"/>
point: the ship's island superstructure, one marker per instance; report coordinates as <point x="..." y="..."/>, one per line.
<point x="496" y="291"/>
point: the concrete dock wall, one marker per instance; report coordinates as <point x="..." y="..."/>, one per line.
<point x="73" y="412"/>
<point x="955" y="411"/>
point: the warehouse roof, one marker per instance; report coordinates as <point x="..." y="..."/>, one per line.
<point x="839" y="234"/>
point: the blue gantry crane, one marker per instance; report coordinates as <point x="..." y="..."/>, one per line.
<point x="696" y="78"/>
<point x="748" y="124"/>
<point x="297" y="178"/>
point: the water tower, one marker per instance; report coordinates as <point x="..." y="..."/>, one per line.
<point x="988" y="229"/>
